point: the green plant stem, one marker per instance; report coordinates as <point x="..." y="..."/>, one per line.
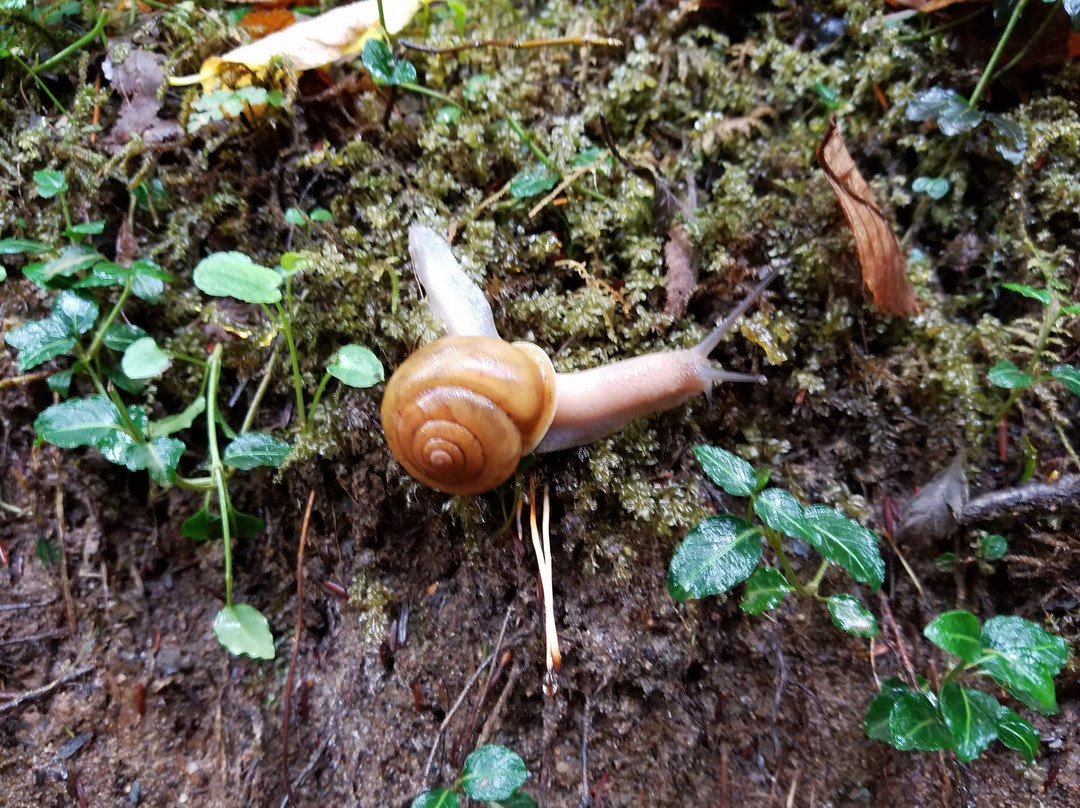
<point x="1002" y="42"/>
<point x="260" y="391"/>
<point x="815" y="582"/>
<point x="382" y="17"/>
<point x="99" y="335"/>
<point x="1013" y="62"/>
<point x="295" y="360"/>
<point x="217" y="470"/>
<point x="129" y="425"/>
<point x="318" y="395"/>
<point x="85" y="39"/>
<point x="941" y="28"/>
<point x="44" y="87"/>
<point x="536" y="150"/>
<point x="777" y="544"/>
<point x="422" y="90"/>
<point x="204" y="484"/>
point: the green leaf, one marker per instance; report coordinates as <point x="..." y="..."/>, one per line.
<point x="78" y="422"/>
<point x="383" y="67"/>
<point x="946" y="562"/>
<point x="1018" y="734"/>
<point x="947" y="107"/>
<point x="519" y="799"/>
<point x="933" y="187"/>
<point x="845" y="542"/>
<point x="765" y="588"/>
<point x="3" y="274"/>
<point x="86" y="228"/>
<point x="116" y="375"/>
<point x="827" y="95"/>
<point x="178" y="422"/>
<point x="143" y="359"/>
<point x="356" y="366"/>
<point x="436" y="798"/>
<point x="242" y="630"/>
<point x="716" y="555"/>
<point x="1013" y="140"/>
<point x="1069" y="376"/>
<point x="1026" y="661"/>
<point x="876" y="723"/>
<point x="295" y="216"/>
<point x="39" y="341"/>
<point x="158" y="456"/>
<point x="118" y="444"/>
<point x="150" y="280"/>
<point x="119" y="336"/>
<point x="1072" y="8"/>
<point x="972" y="717"/>
<point x="851" y="616"/>
<point x="532" y="181"/>
<point x="1042" y="295"/>
<point x="447" y="114"/>
<point x="1007" y="375"/>
<point x="19" y="246"/>
<point x="993" y="547"/>
<point x="50" y="183"/>
<point x="60" y="382"/>
<point x="782" y="512"/>
<point x="914" y="723"/>
<point x="72" y="260"/>
<point x="74" y="312"/>
<point x="728" y="471"/>
<point x="104" y="273"/>
<point x="956" y="632"/>
<point x="233" y="274"/>
<point x="253" y="449"/>
<point x="493" y="773"/>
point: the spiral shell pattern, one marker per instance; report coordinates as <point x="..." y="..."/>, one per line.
<point x="460" y="413"/>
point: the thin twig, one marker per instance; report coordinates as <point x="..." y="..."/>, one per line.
<point x="296" y="637"/>
<point x="44" y="690"/>
<point x="493" y="717"/>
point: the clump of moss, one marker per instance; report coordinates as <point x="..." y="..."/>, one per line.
<point x="370" y="598"/>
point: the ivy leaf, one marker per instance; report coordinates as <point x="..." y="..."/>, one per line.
<point x="1069" y="376"/>
<point x="436" y="798"/>
<point x="532" y="181"/>
<point x="1026" y="660"/>
<point x="493" y="773"/>
<point x="243" y="630"/>
<point x="914" y="723"/>
<point x="782" y="512"/>
<point x="78" y="422"/>
<point x="851" y="616"/>
<point x="1007" y="375"/>
<point x="356" y="366"/>
<point x="253" y="449"/>
<point x="383" y="67"/>
<point x="765" y="588"/>
<point x="972" y="717"/>
<point x="845" y="542"/>
<point x="728" y="471"/>
<point x="233" y="274"/>
<point x="716" y="555"/>
<point x="1018" y="734"/>
<point x="956" y="632"/>
<point x="143" y="359"/>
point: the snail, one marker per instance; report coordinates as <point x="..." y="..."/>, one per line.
<point x="461" y="412"/>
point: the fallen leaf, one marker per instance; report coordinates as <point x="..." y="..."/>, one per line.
<point x="137" y="75"/>
<point x="681" y="276"/>
<point x="934" y="513"/>
<point x="937" y="5"/>
<point x="263" y="22"/>
<point x="315" y="42"/>
<point x="883" y="263"/>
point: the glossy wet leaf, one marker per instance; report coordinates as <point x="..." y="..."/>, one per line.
<point x="159" y="457"/>
<point x="243" y="630"/>
<point x="78" y="422"/>
<point x="956" y="632"/>
<point x="356" y="366"/>
<point x="782" y="512"/>
<point x="993" y="547"/>
<point x="1007" y="375"/>
<point x="914" y="723"/>
<point x="436" y="798"/>
<point x="933" y="187"/>
<point x="383" y="67"/>
<point x="39" y="341"/>
<point x="947" y="107"/>
<point x="876" y="724"/>
<point x="851" y="616"/>
<point x="143" y="359"/>
<point x="119" y="336"/>
<point x="727" y="470"/>
<point x="178" y="421"/>
<point x="20" y="246"/>
<point x="533" y="180"/>
<point x="60" y="382"/>
<point x="116" y="446"/>
<point x="1026" y="661"/>
<point x="75" y="312"/>
<point x="846" y="543"/>
<point x="493" y="773"/>
<point x="253" y="449"/>
<point x="54" y="273"/>
<point x="717" y="554"/>
<point x="1042" y="295"/>
<point x="49" y="183"/>
<point x="765" y="588"/>
<point x="1069" y="376"/>
<point x="233" y="274"/>
<point x="1012" y="140"/>
<point x="519" y="799"/>
<point x="1016" y="733"/>
<point x="972" y="717"/>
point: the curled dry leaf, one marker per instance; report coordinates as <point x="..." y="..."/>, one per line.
<point x="316" y="42"/>
<point x="883" y="263"/>
<point x="136" y="75"/>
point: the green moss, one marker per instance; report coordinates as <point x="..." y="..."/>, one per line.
<point x="368" y="600"/>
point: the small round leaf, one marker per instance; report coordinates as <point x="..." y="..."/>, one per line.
<point x="851" y="616"/>
<point x="1008" y="376"/>
<point x="765" y="588"/>
<point x="233" y="274"/>
<point x="956" y="632"/>
<point x="356" y="366"/>
<point x="436" y="798"/>
<point x="493" y="773"/>
<point x="143" y="359"/>
<point x="243" y="630"/>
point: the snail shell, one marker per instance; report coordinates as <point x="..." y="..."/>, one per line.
<point x="461" y="412"/>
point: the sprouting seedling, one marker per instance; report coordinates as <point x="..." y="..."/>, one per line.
<point x="1018" y="655"/>
<point x="725" y="550"/>
<point x="492" y="774"/>
<point x="53" y="184"/>
<point x="297" y="217"/>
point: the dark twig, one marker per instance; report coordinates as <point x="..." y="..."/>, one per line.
<point x="44" y="690"/>
<point x="1062" y="494"/>
<point x="296" y="637"/>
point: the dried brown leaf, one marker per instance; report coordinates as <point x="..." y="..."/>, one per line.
<point x="137" y="77"/>
<point x="883" y="263"/>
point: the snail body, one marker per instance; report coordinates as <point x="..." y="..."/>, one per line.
<point x="461" y="412"/>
